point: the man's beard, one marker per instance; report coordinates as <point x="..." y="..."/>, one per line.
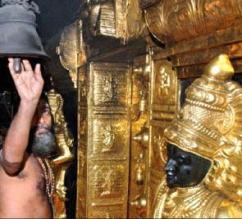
<point x="43" y="144"/>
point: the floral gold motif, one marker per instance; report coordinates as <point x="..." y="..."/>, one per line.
<point x="172" y="21"/>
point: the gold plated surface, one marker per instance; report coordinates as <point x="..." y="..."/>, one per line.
<point x="139" y="138"/>
<point x="123" y="109"/>
<point x="71" y="49"/>
<point x="164" y="106"/>
<point x="173" y="21"/>
<point x="130" y="23"/>
<point x="82" y="143"/>
<point x="64" y="156"/>
<point x="119" y="19"/>
<point x="208" y="126"/>
<point x="107" y="134"/>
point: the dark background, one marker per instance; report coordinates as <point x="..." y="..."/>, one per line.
<point x="55" y="15"/>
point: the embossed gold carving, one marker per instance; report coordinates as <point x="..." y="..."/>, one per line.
<point x="172" y="21"/>
<point x="104" y="141"/>
<point x="208" y="127"/>
<point x="140" y="138"/>
<point x="194" y="32"/>
<point x="140" y="87"/>
<point x="130" y="23"/>
<point x="159" y="141"/>
<point x="119" y="19"/>
<point x="103" y="19"/>
<point x="108" y="137"/>
<point x="108" y="84"/>
<point x="107" y="181"/>
<point x="81" y="202"/>
<point x="71" y="49"/>
<point x="164" y="107"/>
<point x="165" y="82"/>
<point x="64" y="142"/>
<point x="164" y="90"/>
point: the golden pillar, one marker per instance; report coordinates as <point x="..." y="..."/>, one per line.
<point x="104" y="140"/>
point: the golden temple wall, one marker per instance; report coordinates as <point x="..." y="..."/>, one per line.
<point x="133" y="59"/>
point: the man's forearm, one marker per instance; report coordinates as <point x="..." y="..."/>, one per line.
<point x="17" y="137"/>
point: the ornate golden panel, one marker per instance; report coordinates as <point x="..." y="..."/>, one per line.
<point x="164" y="106"/>
<point x="164" y="91"/>
<point x="172" y="21"/>
<point x="107" y="19"/>
<point x="119" y="19"/>
<point x="129" y="19"/>
<point x="140" y="137"/>
<point x="69" y="50"/>
<point x="107" y="138"/>
<point x="109" y="88"/>
<point x="104" y="140"/>
<point x="123" y="112"/>
<point x="82" y="143"/>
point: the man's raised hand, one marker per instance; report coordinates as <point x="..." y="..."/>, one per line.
<point x="29" y="83"/>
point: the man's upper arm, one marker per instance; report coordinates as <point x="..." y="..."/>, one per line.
<point x="11" y="168"/>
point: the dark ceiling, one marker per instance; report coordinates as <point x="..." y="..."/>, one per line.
<point x="55" y="15"/>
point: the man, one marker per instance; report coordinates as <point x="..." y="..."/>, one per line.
<point x="24" y="176"/>
<point x="42" y="141"/>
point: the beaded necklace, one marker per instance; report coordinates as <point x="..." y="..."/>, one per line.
<point x="49" y="176"/>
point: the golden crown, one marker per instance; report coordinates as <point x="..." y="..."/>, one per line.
<point x="206" y="116"/>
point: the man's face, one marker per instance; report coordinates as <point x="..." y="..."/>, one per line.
<point x="42" y="120"/>
<point x="43" y="139"/>
<point x="184" y="169"/>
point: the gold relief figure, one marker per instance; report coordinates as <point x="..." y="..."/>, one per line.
<point x="108" y="138"/>
<point x="62" y="161"/>
<point x="97" y="180"/>
<point x="204" y="153"/>
<point x="107" y="181"/>
<point x="106" y="88"/>
<point x="109" y="83"/>
<point x="109" y="89"/>
<point x="165" y="82"/>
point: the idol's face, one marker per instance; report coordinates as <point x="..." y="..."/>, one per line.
<point x="184" y="169"/>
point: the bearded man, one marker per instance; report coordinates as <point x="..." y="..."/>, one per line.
<point x="26" y="180"/>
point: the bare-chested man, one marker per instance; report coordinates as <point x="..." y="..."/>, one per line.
<point x="22" y="176"/>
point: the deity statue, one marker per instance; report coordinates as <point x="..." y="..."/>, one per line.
<point x="204" y="150"/>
